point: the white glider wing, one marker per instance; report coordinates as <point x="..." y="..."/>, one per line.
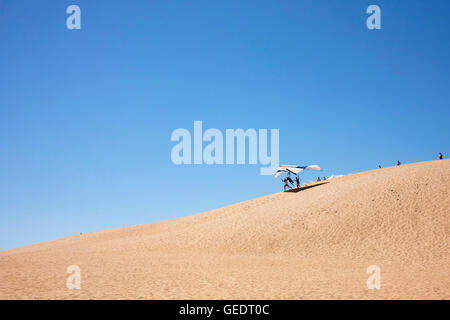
<point x="295" y="169"/>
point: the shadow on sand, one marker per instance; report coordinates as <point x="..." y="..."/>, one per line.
<point x="295" y="190"/>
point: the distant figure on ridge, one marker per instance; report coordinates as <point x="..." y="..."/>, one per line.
<point x="297" y="180"/>
<point x="324" y="179"/>
<point x="440" y="156"/>
<point x="379" y="166"/>
<point x="318" y="179"/>
<point x="398" y="163"/>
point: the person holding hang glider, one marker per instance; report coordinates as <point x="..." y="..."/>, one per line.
<point x="294" y="170"/>
<point x="289" y="179"/>
<point x="286" y="185"/>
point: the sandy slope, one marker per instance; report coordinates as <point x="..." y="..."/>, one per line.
<point x="312" y="244"/>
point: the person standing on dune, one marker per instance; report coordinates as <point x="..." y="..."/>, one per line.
<point x="398" y="162"/>
<point x="290" y="180"/>
<point x="286" y="184"/>
<point x="297" y="180"/>
<point x="440" y="156"/>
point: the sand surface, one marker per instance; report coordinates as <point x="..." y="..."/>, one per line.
<point x="313" y="244"/>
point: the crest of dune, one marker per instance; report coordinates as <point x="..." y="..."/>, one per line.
<point x="316" y="243"/>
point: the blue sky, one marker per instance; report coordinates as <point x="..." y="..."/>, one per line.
<point x="86" y="115"/>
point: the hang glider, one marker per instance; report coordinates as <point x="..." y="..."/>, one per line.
<point x="295" y="169"/>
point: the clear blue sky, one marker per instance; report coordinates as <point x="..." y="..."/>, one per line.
<point x="86" y="115"/>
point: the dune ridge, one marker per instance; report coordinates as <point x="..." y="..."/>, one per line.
<point x="313" y="244"/>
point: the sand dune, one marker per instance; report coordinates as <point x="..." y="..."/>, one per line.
<point x="313" y="244"/>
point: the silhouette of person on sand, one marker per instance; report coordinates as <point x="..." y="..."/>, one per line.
<point x="398" y="162"/>
<point x="297" y="180"/>
<point x="440" y="156"/>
